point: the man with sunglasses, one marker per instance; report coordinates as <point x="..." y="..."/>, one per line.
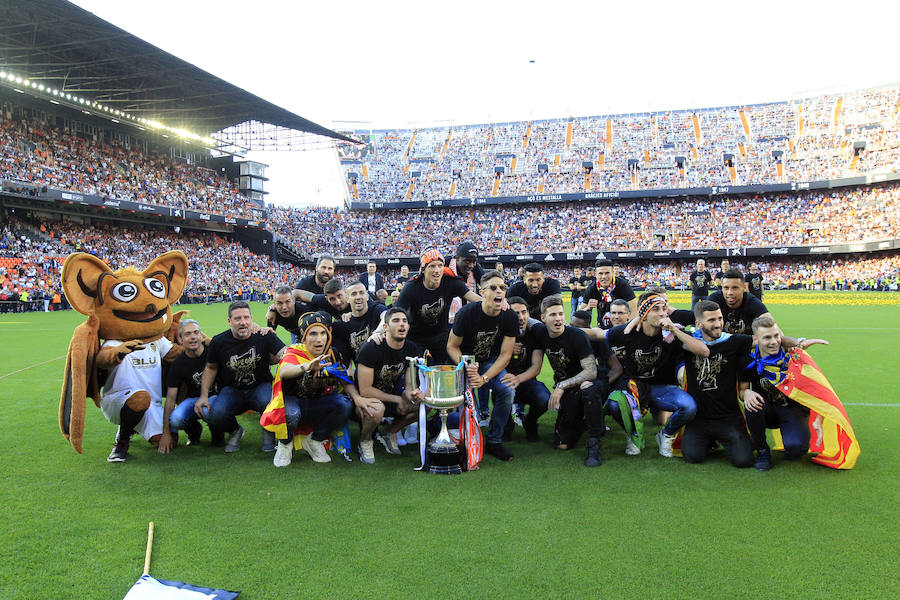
<point x="488" y="333"/>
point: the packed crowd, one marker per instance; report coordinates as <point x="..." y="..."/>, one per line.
<point x="34" y="152"/>
<point x="804" y="218"/>
<point x="812" y="138"/>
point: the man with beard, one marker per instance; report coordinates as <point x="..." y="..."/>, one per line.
<point x="240" y="360"/>
<point x="522" y="373"/>
<point x="569" y="352"/>
<point x="754" y="280"/>
<point x="315" y="283"/>
<point x="700" y="280"/>
<point x="652" y="359"/>
<point x="426" y="298"/>
<point x="307" y="393"/>
<point x="607" y="288"/>
<point x="486" y="332"/>
<point x="333" y="302"/>
<point x="284" y="311"/>
<point x="374" y="282"/>
<point x="533" y="288"/>
<point x="381" y="375"/>
<point x="739" y="308"/>
<point x="364" y="320"/>
<point x="712" y="382"/>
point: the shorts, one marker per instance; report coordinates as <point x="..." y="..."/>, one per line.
<point x="152" y="422"/>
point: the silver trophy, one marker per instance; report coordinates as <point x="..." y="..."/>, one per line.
<point x="444" y="387"/>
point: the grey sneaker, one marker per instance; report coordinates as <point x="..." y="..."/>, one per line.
<point x="119" y="450"/>
<point x="631" y="449"/>
<point x="389" y="442"/>
<point x="367" y="452"/>
<point x="234" y="440"/>
<point x="284" y="452"/>
<point x="316" y="450"/>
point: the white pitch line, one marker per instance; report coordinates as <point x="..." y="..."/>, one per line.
<point x="31" y="366"/>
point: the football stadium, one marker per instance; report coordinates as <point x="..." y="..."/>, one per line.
<point x="348" y="396"/>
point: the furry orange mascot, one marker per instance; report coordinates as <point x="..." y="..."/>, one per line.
<point x="132" y="312"/>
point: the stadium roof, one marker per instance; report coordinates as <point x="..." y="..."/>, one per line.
<point x="57" y="44"/>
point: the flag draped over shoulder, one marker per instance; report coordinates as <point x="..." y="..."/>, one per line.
<point x="804" y="382"/>
<point x="148" y="588"/>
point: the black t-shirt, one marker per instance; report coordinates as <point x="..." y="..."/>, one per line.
<point x="621" y="290"/>
<point x="565" y="352"/>
<point x="188" y="371"/>
<point x="290" y="323"/>
<point x="533" y="301"/>
<point x="683" y="317"/>
<point x="521" y="362"/>
<point x="700" y="283"/>
<point x="720" y="275"/>
<point x="738" y="320"/>
<point x="389" y="365"/>
<point x="647" y="358"/>
<point x="353" y="334"/>
<point x="429" y="310"/>
<point x="573" y="281"/>
<point x="712" y="380"/>
<point x="400" y="281"/>
<point x="320" y="302"/>
<point x="482" y="335"/>
<point x="243" y="364"/>
<point x="754" y="284"/>
<point x="602" y="352"/>
<point x="309" y="284"/>
<point x="316" y="384"/>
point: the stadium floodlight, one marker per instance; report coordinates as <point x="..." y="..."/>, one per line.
<point x="18" y="80"/>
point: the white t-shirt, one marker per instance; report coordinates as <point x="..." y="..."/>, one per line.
<point x="140" y="370"/>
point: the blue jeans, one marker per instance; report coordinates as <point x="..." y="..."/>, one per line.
<point x="325" y="413"/>
<point x="231" y="402"/>
<point x="183" y="415"/>
<point x="792" y="420"/>
<point x="537" y="396"/>
<point x="502" y="395"/>
<point x="669" y="398"/>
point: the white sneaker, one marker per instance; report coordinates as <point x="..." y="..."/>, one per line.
<point x="316" y="450"/>
<point x="665" y="444"/>
<point x="631" y="448"/>
<point x="367" y="452"/>
<point x="284" y="452"/>
<point x="389" y="442"/>
<point x="234" y="440"/>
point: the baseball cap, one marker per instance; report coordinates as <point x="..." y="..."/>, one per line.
<point x="467" y="249"/>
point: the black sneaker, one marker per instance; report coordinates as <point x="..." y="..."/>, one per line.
<point x="763" y="460"/>
<point x="119" y="450"/>
<point x="594" y="458"/>
<point x="194" y="431"/>
<point x="499" y="451"/>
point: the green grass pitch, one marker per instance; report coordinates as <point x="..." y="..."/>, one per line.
<point x="543" y="526"/>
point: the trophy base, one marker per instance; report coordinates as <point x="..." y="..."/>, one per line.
<point x="443" y="460"/>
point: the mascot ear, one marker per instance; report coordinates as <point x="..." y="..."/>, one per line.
<point x="175" y="266"/>
<point x="79" y="280"/>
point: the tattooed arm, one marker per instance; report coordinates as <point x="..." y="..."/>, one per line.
<point x="588" y="373"/>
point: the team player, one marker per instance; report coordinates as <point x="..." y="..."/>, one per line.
<point x="700" y="282"/>
<point x="522" y="373"/>
<point x="486" y="332"/>
<point x="725" y="265"/>
<point x="534" y="287"/>
<point x="315" y="283"/>
<point x="754" y="280"/>
<point x="364" y="319"/>
<point x="284" y="311"/>
<point x="241" y="360"/>
<point x="739" y="308"/>
<point x="577" y="287"/>
<point x="607" y="288"/>
<point x="332" y="302"/>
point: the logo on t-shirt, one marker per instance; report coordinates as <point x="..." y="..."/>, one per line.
<point x="243" y="367"/>
<point x="357" y="339"/>
<point x="431" y="312"/>
<point x="387" y="375"/>
<point x="484" y="341"/>
<point x="708" y="370"/>
<point x="645" y="362"/>
<point x="558" y="360"/>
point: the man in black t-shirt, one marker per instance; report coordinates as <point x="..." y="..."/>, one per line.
<point x="568" y="351"/>
<point x="381" y="375"/>
<point x="754" y="280"/>
<point x="609" y="369"/>
<point x="522" y="373"/>
<point x="315" y="283"/>
<point x="241" y="361"/>
<point x="364" y="319"/>
<point x="700" y="281"/>
<point x="285" y="310"/>
<point x="486" y="332"/>
<point x="607" y="288"/>
<point x="183" y="383"/>
<point x="712" y="382"/>
<point x="333" y="302"/>
<point x="720" y="274"/>
<point x="576" y="286"/>
<point x="427" y="299"/>
<point x="739" y="308"/>
<point x="402" y="278"/>
<point x="533" y="288"/>
<point x="652" y="353"/>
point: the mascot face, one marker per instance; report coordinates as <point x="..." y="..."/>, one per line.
<point x="128" y="303"/>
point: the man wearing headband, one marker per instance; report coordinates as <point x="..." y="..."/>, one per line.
<point x="607" y="288"/>
<point x="426" y="298"/>
<point x="308" y="391"/>
<point x="533" y="288"/>
<point x="652" y="359"/>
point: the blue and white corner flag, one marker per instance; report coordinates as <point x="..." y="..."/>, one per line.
<point x="148" y="588"/>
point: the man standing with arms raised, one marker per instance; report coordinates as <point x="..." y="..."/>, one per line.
<point x="487" y="332"/>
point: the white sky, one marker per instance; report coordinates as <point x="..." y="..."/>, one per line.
<point x="402" y="64"/>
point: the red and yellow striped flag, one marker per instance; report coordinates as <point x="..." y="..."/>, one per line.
<point x="273" y="418"/>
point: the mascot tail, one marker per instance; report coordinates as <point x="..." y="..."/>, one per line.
<point x="79" y="381"/>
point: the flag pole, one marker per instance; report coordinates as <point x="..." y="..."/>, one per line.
<point x="149" y="549"/>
